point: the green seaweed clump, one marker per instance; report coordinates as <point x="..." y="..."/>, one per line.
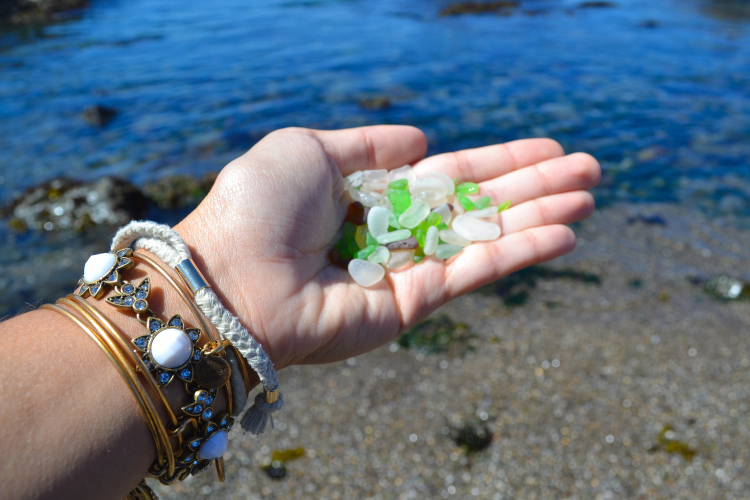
<point x="436" y="335"/>
<point x="277" y="468"/>
<point x="472" y="437"/>
<point x="667" y="441"/>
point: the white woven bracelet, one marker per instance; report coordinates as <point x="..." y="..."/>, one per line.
<point x="168" y="245"/>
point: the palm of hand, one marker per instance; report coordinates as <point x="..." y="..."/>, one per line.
<point x="273" y="214"/>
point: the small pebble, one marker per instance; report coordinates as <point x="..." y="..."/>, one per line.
<point x="400" y="258"/>
<point x="377" y="221"/>
<point x="400" y="234"/>
<point x="447" y="251"/>
<point x="365" y="273"/>
<point x="453" y="238"/>
<point x="380" y="255"/>
<point x="416" y="213"/>
<point x="431" y="240"/>
<point x="379" y="175"/>
<point x="475" y="229"/>
<point x="407" y="244"/>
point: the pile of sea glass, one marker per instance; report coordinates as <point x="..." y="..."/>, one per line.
<point x="396" y="218"/>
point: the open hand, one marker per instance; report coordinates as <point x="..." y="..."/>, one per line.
<point x="263" y="233"/>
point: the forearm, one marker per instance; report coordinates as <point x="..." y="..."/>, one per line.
<point x="72" y="427"/>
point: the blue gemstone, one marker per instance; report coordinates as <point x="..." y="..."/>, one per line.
<point x="210" y="428"/>
<point x="207" y="414"/>
<point x="141" y="294"/>
<point x="202" y="398"/>
<point x="140" y="305"/>
<point x="197" y="355"/>
<point x="129" y="300"/>
<point x="164" y="378"/>
<point x="188" y="460"/>
<point x="195" y="444"/>
<point x="176" y="322"/>
<point x="112" y="277"/>
<point x="198" y="408"/>
<point x="209" y="401"/>
<point x="128" y="289"/>
<point x="194" y="336"/>
<point x="224" y="422"/>
<point x="155" y="325"/>
<point x="185" y="373"/>
<point x="141" y="343"/>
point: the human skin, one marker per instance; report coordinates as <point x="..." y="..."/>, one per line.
<point x="70" y="426"/>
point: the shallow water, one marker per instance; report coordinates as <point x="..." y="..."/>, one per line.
<point x="659" y="92"/>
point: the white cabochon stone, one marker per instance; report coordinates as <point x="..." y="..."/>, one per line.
<point x="98" y="266"/>
<point x="377" y="221"/>
<point x="475" y="229"/>
<point x="365" y="273"/>
<point x="215" y="446"/>
<point x="171" y="348"/>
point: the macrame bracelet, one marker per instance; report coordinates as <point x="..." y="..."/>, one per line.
<point x="169" y="246"/>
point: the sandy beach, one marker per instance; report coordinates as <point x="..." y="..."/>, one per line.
<point x="609" y="373"/>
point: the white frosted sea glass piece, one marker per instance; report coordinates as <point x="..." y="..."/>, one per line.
<point x="475" y="229"/>
<point x="431" y="240"/>
<point x="445" y="212"/>
<point x="400" y="258"/>
<point x="483" y="213"/>
<point x="379" y="175"/>
<point x="453" y="238"/>
<point x="356" y="179"/>
<point x="404" y="172"/>
<point x="215" y="446"/>
<point x="379" y="255"/>
<point x="365" y="273"/>
<point x="367" y="199"/>
<point x="416" y="213"/>
<point x="447" y="251"/>
<point x="433" y="198"/>
<point x="398" y="235"/>
<point x="448" y="183"/>
<point x="98" y="266"/>
<point x="171" y="348"/>
<point x="373" y="187"/>
<point x="428" y="184"/>
<point x="377" y="221"/>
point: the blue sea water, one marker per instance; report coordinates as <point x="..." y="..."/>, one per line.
<point x="658" y="91"/>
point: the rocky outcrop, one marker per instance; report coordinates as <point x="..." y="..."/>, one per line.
<point x="24" y="11"/>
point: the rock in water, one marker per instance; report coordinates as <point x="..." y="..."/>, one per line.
<point x="98" y="115"/>
<point x="366" y="273"/>
<point x="431" y="240"/>
<point x="416" y="213"/>
<point x="475" y="229"/>
<point x="377" y="221"/>
<point x="447" y="251"/>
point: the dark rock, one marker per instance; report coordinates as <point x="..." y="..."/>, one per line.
<point x="375" y="103"/>
<point x="458" y="9"/>
<point x="276" y="473"/>
<point x="651" y="220"/>
<point x="597" y="5"/>
<point x="98" y="115"/>
<point x="29" y="11"/>
<point x="66" y="204"/>
<point x="407" y="244"/>
<point x="178" y="191"/>
<point x="473" y="436"/>
<point x="649" y="23"/>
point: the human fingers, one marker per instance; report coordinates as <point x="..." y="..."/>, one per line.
<point x="481" y="164"/>
<point x="564" y="208"/>
<point x="380" y="146"/>
<point x="479" y="265"/>
<point x="559" y="175"/>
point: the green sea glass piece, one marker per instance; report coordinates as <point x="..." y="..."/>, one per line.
<point x="467" y="188"/>
<point x="482" y="202"/>
<point x="401" y="184"/>
<point x="400" y="200"/>
<point x="365" y="252"/>
<point x="420" y="235"/>
<point x="434" y="219"/>
<point x="442" y="226"/>
<point x="465" y="202"/>
<point x="393" y="220"/>
<point x="371" y="240"/>
<point x="504" y="206"/>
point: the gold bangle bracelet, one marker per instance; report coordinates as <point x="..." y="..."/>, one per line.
<point x="121" y="369"/>
<point x="148" y="405"/>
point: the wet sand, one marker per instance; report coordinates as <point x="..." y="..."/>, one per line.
<point x="608" y="373"/>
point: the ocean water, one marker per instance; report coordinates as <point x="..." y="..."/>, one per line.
<point x="658" y="91"/>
